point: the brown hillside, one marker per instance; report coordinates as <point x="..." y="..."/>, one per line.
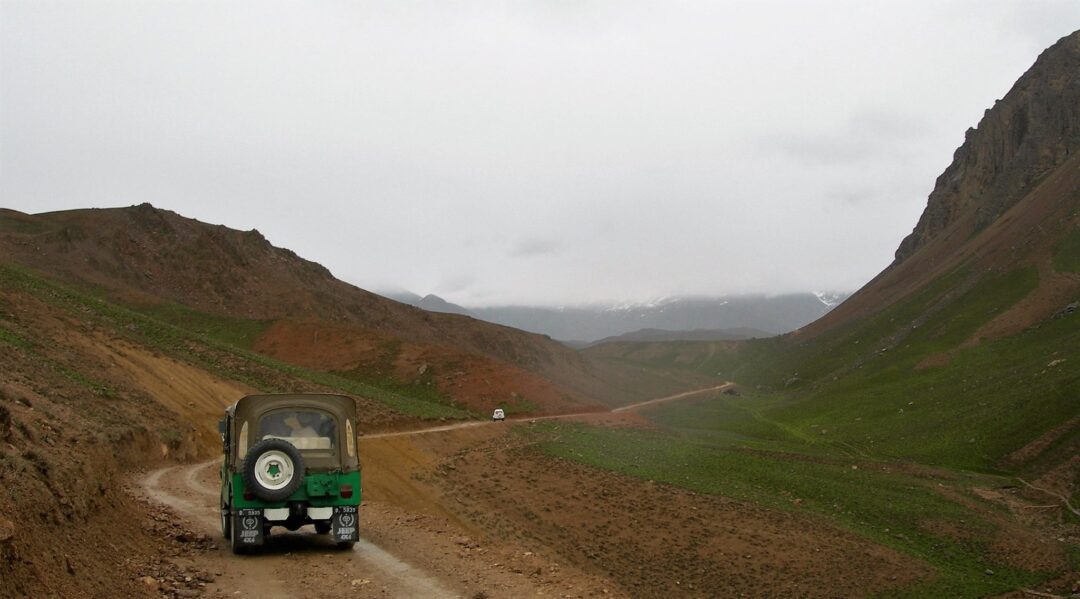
<point x="142" y="254"/>
<point x="79" y="407"/>
<point x="1008" y="198"/>
<point x="478" y="383"/>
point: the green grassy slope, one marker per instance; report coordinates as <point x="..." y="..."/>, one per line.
<point x="722" y="446"/>
<point x="901" y="384"/>
<point x="218" y="344"/>
<point x="881" y="426"/>
<point x="1067" y="254"/>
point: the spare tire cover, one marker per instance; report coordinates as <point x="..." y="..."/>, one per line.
<point x="273" y="469"/>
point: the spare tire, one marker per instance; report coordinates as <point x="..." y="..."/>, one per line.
<point x="273" y="469"/>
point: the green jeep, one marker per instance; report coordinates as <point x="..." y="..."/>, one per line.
<point x="290" y="460"/>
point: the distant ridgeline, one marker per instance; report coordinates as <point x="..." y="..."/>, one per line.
<point x="735" y="317"/>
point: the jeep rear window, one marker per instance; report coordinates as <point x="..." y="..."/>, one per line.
<point x="242" y="442"/>
<point x="350" y="439"/>
<point x="308" y="430"/>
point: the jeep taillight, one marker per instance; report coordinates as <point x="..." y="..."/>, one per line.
<point x="346" y="491"/>
<point x="248" y="495"/>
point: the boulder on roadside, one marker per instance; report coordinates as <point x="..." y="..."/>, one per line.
<point x="7" y="530"/>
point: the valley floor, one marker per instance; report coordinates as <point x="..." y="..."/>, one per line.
<point x="511" y="525"/>
<point x="571" y="507"/>
<point x="403" y="553"/>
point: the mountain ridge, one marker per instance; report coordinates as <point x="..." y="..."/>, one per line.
<point x="767" y="315"/>
<point x="144" y="256"/>
<point x="1004" y="200"/>
<point x="965" y="353"/>
<point x="651" y="335"/>
<point x="1018" y="142"/>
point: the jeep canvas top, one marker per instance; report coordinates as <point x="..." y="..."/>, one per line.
<point x="290" y="460"/>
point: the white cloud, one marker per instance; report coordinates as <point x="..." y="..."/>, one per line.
<point x="640" y="148"/>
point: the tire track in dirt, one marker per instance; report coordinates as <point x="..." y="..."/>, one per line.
<point x="434" y="429"/>
<point x="371" y="551"/>
<point x="179" y="488"/>
<point x="192" y="479"/>
<point x="641" y="404"/>
<point x="285" y="568"/>
<point x="473" y="423"/>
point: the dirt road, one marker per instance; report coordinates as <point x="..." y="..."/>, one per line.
<point x="285" y="567"/>
<point x="406" y="518"/>
<point x="627" y="408"/>
<point x="641" y="404"/>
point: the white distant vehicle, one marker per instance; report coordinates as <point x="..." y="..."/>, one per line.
<point x="498" y="415"/>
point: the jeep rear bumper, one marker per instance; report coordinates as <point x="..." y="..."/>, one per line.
<point x="252" y="525"/>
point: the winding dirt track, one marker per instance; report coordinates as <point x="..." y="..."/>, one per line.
<point x="272" y="574"/>
<point x="627" y="408"/>
<point x="643" y="404"/>
<point x="303" y="564"/>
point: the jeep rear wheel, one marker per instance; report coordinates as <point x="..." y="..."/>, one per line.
<point x="322" y="527"/>
<point x="273" y="469"/>
<point x="226" y="522"/>
<point x="234" y="544"/>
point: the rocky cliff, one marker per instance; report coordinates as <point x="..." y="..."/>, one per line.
<point x="1022" y="138"/>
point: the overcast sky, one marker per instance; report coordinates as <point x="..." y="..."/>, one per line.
<point x="519" y="152"/>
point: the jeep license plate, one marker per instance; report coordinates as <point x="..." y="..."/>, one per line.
<point x="249" y="527"/>
<point x="344" y="525"/>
